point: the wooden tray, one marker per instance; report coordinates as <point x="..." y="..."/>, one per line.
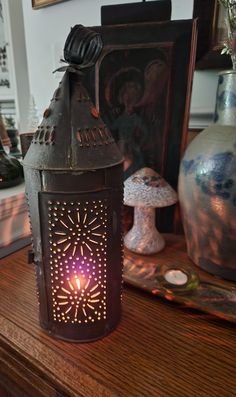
<point x="170" y="274"/>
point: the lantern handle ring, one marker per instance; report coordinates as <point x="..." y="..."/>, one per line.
<point x="82" y="49"/>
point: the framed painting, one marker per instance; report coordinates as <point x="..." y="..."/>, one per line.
<point x="36" y="4"/>
<point x="142" y="86"/>
<point x="150" y="11"/>
<point x="219" y="28"/>
<point x="212" y="32"/>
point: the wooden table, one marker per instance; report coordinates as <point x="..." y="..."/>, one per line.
<point x="159" y="350"/>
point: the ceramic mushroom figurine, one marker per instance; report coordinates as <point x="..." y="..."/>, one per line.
<point x="146" y="190"/>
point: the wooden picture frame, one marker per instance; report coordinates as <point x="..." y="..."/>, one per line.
<point x="219" y="28"/>
<point x="211" y="35"/>
<point x="36" y="4"/>
<point x="142" y="90"/>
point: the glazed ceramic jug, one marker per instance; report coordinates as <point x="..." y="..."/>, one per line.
<point x="207" y="187"/>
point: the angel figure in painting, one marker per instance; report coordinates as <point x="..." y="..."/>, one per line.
<point x="134" y="96"/>
<point x="152" y="108"/>
<point x="128" y="127"/>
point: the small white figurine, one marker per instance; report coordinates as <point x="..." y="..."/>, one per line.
<point x="146" y="190"/>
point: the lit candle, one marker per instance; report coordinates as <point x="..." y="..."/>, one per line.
<point x="176" y="277"/>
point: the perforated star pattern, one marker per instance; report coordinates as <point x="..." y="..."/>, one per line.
<point x="78" y="256"/>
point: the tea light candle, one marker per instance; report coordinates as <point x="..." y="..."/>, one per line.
<point x="176" y="277"/>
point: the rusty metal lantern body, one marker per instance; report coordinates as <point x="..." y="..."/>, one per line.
<point x="74" y="186"/>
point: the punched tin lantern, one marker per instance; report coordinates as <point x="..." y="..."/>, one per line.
<point x="74" y="185"/>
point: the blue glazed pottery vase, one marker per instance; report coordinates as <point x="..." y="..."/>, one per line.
<point x="225" y="111"/>
<point x="207" y="188"/>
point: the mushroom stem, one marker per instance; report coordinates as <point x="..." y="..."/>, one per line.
<point x="144" y="238"/>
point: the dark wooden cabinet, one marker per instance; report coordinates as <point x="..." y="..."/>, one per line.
<point x="4" y="392"/>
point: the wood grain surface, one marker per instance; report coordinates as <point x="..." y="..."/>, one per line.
<point x="160" y="349"/>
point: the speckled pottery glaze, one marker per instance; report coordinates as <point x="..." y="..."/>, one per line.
<point x="225" y="111"/>
<point x="207" y="196"/>
<point x="145" y="190"/>
<point x="144" y="238"/>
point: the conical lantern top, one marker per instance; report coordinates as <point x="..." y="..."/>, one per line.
<point x="72" y="135"/>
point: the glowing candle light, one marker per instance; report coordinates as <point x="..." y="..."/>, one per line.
<point x="176" y="277"/>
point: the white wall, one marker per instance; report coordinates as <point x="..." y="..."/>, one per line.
<point x="20" y="62"/>
<point x="203" y="98"/>
<point x="46" y="30"/>
<point x="182" y="9"/>
<point x="18" y="73"/>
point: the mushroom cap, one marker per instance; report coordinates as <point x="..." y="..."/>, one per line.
<point x="146" y="188"/>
